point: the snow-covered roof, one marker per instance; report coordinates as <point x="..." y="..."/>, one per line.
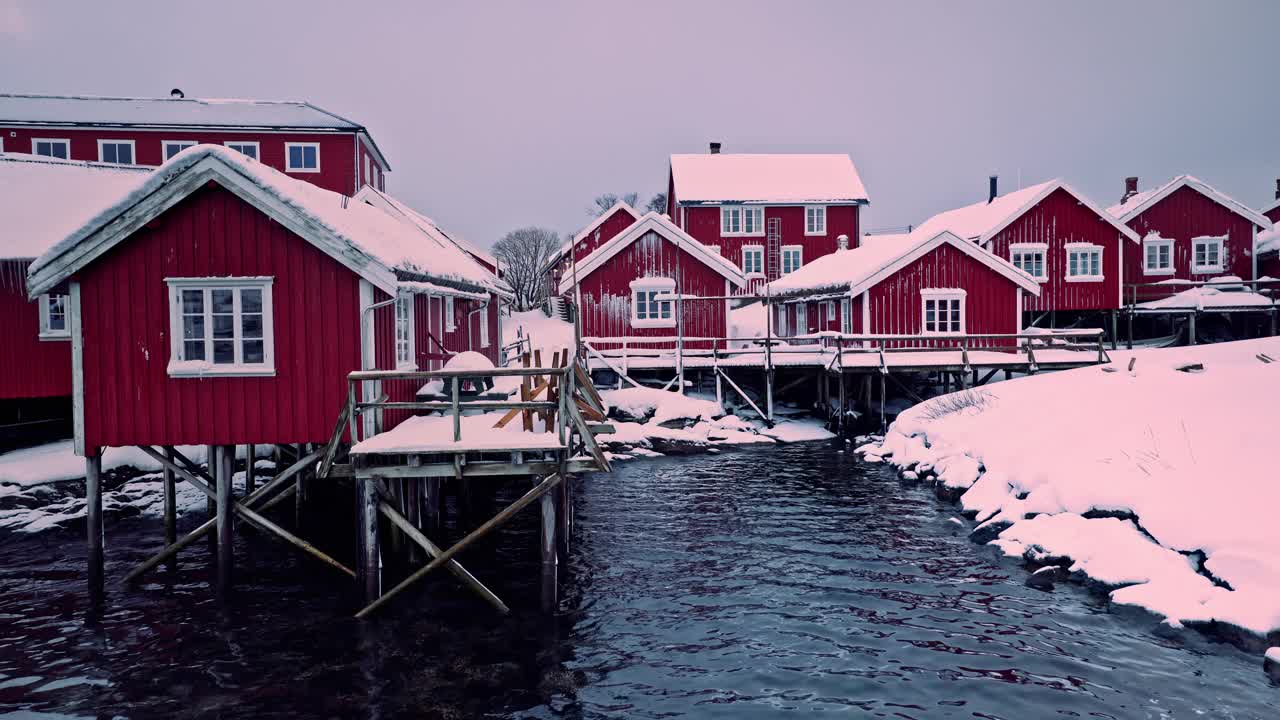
<point x="663" y="227"/>
<point x="1138" y="203"/>
<point x="1274" y="204"/>
<point x="366" y="239"/>
<point x="43" y="199"/>
<point x="590" y="228"/>
<point x="747" y="178"/>
<point x="1205" y="297"/>
<point x="168" y="112"/>
<point x="450" y="244"/>
<point x="1267" y="241"/>
<point x="981" y="221"/>
<point x="857" y="269"/>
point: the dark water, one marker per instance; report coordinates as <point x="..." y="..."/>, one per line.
<point x="748" y="584"/>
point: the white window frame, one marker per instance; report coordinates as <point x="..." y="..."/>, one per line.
<point x="831" y="310"/>
<point x="784" y="316"/>
<point x="406" y="345"/>
<point x="65" y="142"/>
<point x="730" y="211"/>
<point x="815" y="213"/>
<point x="450" y="321"/>
<point x="288" y="157"/>
<point x="936" y="295"/>
<point x="1217" y="240"/>
<point x="798" y="250"/>
<point x="133" y="151"/>
<point x="846" y="316"/>
<point x="368" y="172"/>
<point x="48" y="333"/>
<point x="1157" y="242"/>
<point x="484" y="326"/>
<point x="1083" y="249"/>
<point x="758" y="252"/>
<point x="1022" y="249"/>
<point x="237" y="144"/>
<point x="180" y="367"/>
<point x="182" y="145"/>
<point x="656" y="287"/>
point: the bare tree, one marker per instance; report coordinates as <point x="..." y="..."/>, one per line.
<point x="522" y="254"/>
<point x="608" y="200"/>
<point x="657" y="203"/>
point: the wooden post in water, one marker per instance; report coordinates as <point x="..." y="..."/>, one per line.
<point x="93" y="515"/>
<point x="250" y="481"/>
<point x="548" y="505"/>
<point x="1191" y="329"/>
<point x="170" y="502"/>
<point x="224" y="455"/>
<point x="369" y="561"/>
<point x="210" y="504"/>
<point x="302" y="484"/>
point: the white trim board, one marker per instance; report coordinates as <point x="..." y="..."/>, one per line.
<point x="1000" y="265"/>
<point x="1049" y="188"/>
<point x="664" y="228"/>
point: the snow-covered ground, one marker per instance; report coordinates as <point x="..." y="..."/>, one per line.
<point x="1158" y="481"/>
<point x="545" y="333"/>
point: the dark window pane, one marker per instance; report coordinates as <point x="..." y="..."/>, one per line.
<point x="193" y="350"/>
<point x="251" y="301"/>
<point x="224" y="352"/>
<point x="222" y="302"/>
<point x="192" y="301"/>
<point x="251" y="327"/>
<point x="224" y="326"/>
<point x="193" y="327"/>
<point x="124" y="154"/>
<point x="253" y="351"/>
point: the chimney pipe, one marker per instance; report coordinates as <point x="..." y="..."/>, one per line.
<point x="991" y="187"/>
<point x="177" y="94"/>
<point x="842" y="242"/>
<point x="715" y="148"/>
<point x="1278" y="188"/>
<point x="1130" y="188"/>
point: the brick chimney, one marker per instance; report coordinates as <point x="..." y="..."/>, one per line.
<point x="715" y="148"/>
<point x="842" y="242"/>
<point x="1278" y="188"/>
<point x="992" y="184"/>
<point x="1130" y="188"/>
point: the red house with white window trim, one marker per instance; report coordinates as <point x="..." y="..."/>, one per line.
<point x="1267" y="245"/>
<point x="42" y="200"/>
<point x="606" y="226"/>
<point x="297" y="138"/>
<point x="1073" y="248"/>
<point x="921" y="283"/>
<point x="222" y="302"/>
<point x="649" y="279"/>
<point x="1189" y="231"/>
<point x="767" y="214"/>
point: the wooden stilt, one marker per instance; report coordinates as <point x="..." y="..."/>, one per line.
<point x="1115" y="329"/>
<point x="303" y="483"/>
<point x="1191" y="329"/>
<point x="843" y="399"/>
<point x="548" y="548"/>
<point x="210" y="462"/>
<point x="884" y="420"/>
<point x="93" y="511"/>
<point x="432" y="518"/>
<point x="170" y="502"/>
<point x="768" y="390"/>
<point x="224" y="454"/>
<point x="562" y="520"/>
<point x="369" y="564"/>
<point x="250" y="472"/>
<point x="1129" y="318"/>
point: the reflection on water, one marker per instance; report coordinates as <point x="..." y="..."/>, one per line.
<point x="736" y="585"/>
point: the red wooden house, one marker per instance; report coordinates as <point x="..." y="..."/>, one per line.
<point x="297" y="138"/>
<point x="606" y="226"/>
<point x="923" y="283"/>
<point x="42" y="200"/>
<point x="1189" y="231"/>
<point x="767" y="214"/>
<point x="649" y="279"/>
<point x="221" y="302"/>
<point x="1070" y="246"/>
<point x="1267" y="247"/>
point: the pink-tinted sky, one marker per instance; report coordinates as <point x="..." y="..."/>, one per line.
<point x="498" y="115"/>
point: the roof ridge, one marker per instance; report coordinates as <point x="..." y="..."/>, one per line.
<point x="50" y="96"/>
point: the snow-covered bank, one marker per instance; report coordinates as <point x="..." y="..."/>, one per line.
<point x="1157" y="482"/>
<point x="649" y="421"/>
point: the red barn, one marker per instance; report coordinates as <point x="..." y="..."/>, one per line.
<point x="43" y="199"/>
<point x="221" y="302"/>
<point x="1073" y="248"/>
<point x="1189" y="231"/>
<point x="297" y="138"/>
<point x="767" y="214"/>
<point x="922" y="283"/>
<point x="1268" y="241"/>
<point x="648" y="279"/>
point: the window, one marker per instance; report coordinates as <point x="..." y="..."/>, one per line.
<point x="173" y="147"/>
<point x="302" y="157"/>
<point x="831" y="310"/>
<point x="846" y="316"/>
<point x="651" y="305"/>
<point x="220" y="326"/>
<point x="1029" y="258"/>
<point x="1206" y="254"/>
<point x="405" y="359"/>
<point x="368" y="172"/>
<point x="1084" y="262"/>
<point x="116" y="151"/>
<point x="51" y="148"/>
<point x="53" y="317"/>
<point x="815" y="220"/>
<point x="248" y="149"/>
<point x="943" y="311"/>
<point x="753" y="259"/>
<point x="792" y="258"/>
<point x="1157" y="255"/>
<point x="450" y="322"/>
<point x="739" y="220"/>
<point x="784" y="311"/>
<point x="484" y="327"/>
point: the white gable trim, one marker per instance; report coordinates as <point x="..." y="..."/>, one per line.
<point x="620" y="205"/>
<point x="1049" y="188"/>
<point x="1225" y="201"/>
<point x="1003" y="267"/>
<point x="94" y="240"/>
<point x="652" y="222"/>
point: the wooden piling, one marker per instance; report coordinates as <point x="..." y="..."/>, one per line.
<point x="170" y="502"/>
<point x="369" y="562"/>
<point x="93" y="507"/>
<point x="250" y="478"/>
<point x="211" y="505"/>
<point x="224" y="454"/>
<point x="548" y="548"/>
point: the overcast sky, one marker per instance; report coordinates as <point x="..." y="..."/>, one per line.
<point x="495" y="116"/>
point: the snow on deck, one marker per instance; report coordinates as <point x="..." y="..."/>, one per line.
<point x="1183" y="459"/>
<point x="738" y="177"/>
<point x="1208" y="298"/>
<point x="434" y="434"/>
<point x="1045" y="357"/>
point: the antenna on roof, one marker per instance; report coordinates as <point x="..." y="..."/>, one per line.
<point x="177" y="94"/>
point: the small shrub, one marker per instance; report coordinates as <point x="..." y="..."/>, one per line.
<point x="945" y="405"/>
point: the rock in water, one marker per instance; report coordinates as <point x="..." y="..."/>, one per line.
<point x="1044" y="578"/>
<point x="1272" y="663"/>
